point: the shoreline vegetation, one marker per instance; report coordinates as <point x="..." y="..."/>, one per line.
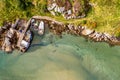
<point x="11" y="37"/>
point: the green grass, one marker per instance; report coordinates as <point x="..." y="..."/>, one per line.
<point x="12" y="9"/>
<point x="106" y="14"/>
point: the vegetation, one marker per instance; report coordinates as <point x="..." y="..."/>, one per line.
<point x="106" y="14"/>
<point x="103" y="13"/>
<point x="12" y="9"/>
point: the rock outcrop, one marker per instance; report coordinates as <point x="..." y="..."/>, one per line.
<point x="68" y="9"/>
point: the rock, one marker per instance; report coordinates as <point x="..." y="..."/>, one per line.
<point x="8" y="49"/>
<point x="51" y="6"/>
<point x="107" y="35"/>
<point x="7" y="45"/>
<point x="70" y="27"/>
<point x="68" y="9"/>
<point x="1" y="29"/>
<point x="86" y="32"/>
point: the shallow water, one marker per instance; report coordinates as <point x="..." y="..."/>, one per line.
<point x="69" y="58"/>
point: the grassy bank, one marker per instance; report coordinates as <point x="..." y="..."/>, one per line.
<point x="103" y="16"/>
<point x="12" y="9"/>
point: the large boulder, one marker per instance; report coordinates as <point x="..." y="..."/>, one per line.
<point x="87" y="32"/>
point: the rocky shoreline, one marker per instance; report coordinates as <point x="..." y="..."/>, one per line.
<point x="11" y="37"/>
<point x="93" y="35"/>
<point x="58" y="28"/>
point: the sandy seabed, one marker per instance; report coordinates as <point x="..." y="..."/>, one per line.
<point x="69" y="58"/>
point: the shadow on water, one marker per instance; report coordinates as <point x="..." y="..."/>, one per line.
<point x="41" y="41"/>
<point x="40" y="44"/>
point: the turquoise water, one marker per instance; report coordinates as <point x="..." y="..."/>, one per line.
<point x="69" y="58"/>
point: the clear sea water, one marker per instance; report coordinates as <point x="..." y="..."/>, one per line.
<point x="67" y="58"/>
